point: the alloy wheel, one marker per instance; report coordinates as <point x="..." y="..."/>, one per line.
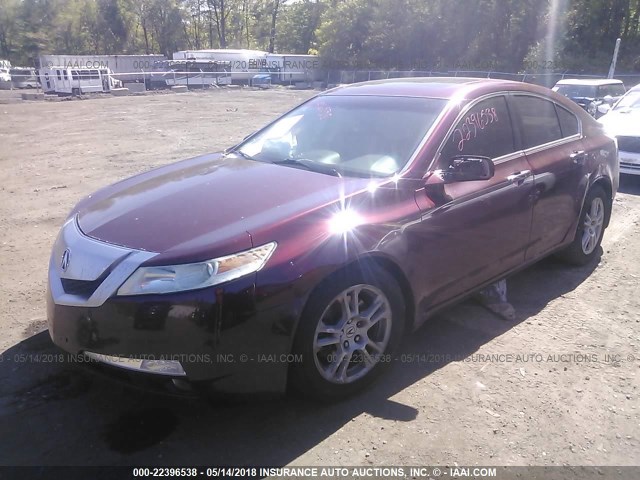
<point x="352" y="333"/>
<point x="593" y="224"/>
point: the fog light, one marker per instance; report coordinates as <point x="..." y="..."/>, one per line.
<point x="162" y="367"/>
<point x="171" y="368"/>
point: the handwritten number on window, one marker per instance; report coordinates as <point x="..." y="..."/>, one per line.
<point x="473" y="124"/>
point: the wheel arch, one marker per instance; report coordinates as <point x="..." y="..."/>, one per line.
<point x="407" y="292"/>
<point x="605" y="184"/>
<point x="362" y="264"/>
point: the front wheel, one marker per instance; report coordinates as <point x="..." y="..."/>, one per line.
<point x="349" y="328"/>
<point x="590" y="228"/>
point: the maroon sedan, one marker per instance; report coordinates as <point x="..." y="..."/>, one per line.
<point x="300" y="256"/>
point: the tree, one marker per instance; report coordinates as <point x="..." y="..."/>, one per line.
<point x="167" y="24"/>
<point x="219" y="11"/>
<point x="298" y="25"/>
<point x="344" y="33"/>
<point x="275" y="6"/>
<point x="421" y="35"/>
<point x="9" y="29"/>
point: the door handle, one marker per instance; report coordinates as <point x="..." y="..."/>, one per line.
<point x="577" y="157"/>
<point x="519" y="177"/>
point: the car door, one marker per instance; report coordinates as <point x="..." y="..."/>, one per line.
<point x="550" y="137"/>
<point x="475" y="231"/>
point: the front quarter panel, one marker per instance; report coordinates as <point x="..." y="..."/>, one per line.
<point x="310" y="249"/>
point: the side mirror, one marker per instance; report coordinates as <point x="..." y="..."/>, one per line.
<point x="466" y="168"/>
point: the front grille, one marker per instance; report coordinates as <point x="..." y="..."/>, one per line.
<point x="630" y="166"/>
<point x="82" y="288"/>
<point x="629" y="144"/>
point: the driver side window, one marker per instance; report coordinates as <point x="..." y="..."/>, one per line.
<point x="484" y="130"/>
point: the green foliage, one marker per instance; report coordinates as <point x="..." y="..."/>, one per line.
<point x="437" y="35"/>
<point x="10" y="28"/>
<point x="298" y="25"/>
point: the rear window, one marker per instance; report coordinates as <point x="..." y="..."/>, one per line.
<point x="568" y="121"/>
<point x="538" y="120"/>
<point x="577" y="91"/>
<point x="615" y="90"/>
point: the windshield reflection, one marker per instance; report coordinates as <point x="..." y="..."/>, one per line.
<point x="361" y="136"/>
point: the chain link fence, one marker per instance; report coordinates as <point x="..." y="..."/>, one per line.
<point x="547" y="79"/>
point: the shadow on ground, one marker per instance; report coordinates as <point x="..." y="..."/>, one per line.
<point x="55" y="413"/>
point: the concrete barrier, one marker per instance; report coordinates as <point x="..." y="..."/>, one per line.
<point x="32" y="96"/>
<point x="119" y="92"/>
<point x="179" y="89"/>
<point x="136" y="87"/>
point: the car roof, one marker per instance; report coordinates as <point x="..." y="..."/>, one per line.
<point x="589" y="81"/>
<point x="430" y="87"/>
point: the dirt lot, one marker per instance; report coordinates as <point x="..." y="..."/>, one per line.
<point x="558" y="386"/>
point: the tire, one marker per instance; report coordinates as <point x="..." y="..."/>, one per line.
<point x="340" y="354"/>
<point x="591" y="226"/>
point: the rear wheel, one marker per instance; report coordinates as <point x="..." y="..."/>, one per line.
<point x="349" y="328"/>
<point x="590" y="228"/>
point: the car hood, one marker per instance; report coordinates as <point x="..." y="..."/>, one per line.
<point x="205" y="207"/>
<point x="623" y="122"/>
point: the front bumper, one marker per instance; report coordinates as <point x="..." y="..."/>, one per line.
<point x="218" y="334"/>
<point x="629" y="162"/>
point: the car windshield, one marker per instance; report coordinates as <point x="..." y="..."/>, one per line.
<point x="630" y="100"/>
<point x="362" y="136"/>
<point x="577" y="91"/>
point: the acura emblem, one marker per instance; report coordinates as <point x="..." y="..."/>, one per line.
<point x="66" y="256"/>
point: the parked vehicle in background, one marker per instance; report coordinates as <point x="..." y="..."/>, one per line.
<point x="191" y="73"/>
<point x="243" y="64"/>
<point x="77" y="80"/>
<point x="623" y="122"/>
<point x="289" y="69"/>
<point x="125" y="68"/>
<point x="345" y="222"/>
<point x="24" y="77"/>
<point x="590" y="93"/>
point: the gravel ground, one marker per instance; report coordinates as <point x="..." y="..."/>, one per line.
<point x="557" y="386"/>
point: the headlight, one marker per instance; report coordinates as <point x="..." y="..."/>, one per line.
<point x="191" y="276"/>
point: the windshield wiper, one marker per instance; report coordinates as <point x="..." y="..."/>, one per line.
<point x="242" y="154"/>
<point x="309" y="165"/>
